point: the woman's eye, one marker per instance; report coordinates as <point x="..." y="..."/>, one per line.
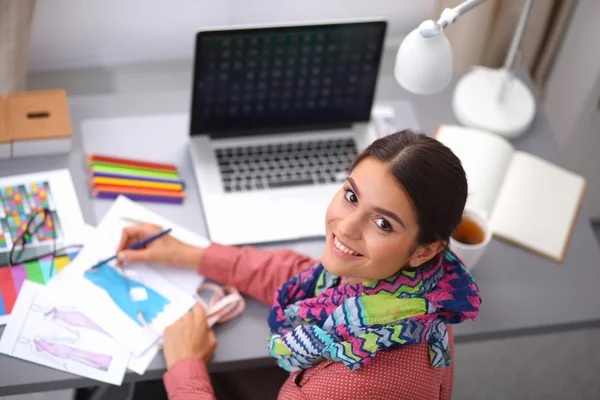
<point x="383" y="224"/>
<point x="350" y="196"/>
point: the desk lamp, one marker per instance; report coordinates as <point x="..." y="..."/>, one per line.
<point x="485" y="98"/>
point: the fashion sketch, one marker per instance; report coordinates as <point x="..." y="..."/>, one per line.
<point x="60" y="344"/>
<point x="68" y="318"/>
<point x="59" y="353"/>
<point x="119" y="288"/>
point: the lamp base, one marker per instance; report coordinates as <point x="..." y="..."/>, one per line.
<point x="495" y="101"/>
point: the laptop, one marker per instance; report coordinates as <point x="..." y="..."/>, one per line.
<point x="278" y="115"/>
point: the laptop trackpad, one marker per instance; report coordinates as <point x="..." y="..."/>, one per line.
<point x="268" y="217"/>
<point x="304" y="212"/>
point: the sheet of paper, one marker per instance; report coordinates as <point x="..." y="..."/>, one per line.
<point x="485" y="158"/>
<point x="139" y="364"/>
<point x="103" y="294"/>
<point x="46" y="330"/>
<point x="538" y="205"/>
<point x="114" y="222"/>
<point x="20" y="195"/>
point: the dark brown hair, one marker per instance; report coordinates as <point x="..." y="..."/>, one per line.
<point x="432" y="176"/>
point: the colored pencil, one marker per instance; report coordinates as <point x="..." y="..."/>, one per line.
<point x="111" y="169"/>
<point x="136" y="190"/>
<point x="129" y="167"/>
<point x="137" y="183"/>
<point x="137" y="197"/>
<point x="94" y="158"/>
<point x="94" y="174"/>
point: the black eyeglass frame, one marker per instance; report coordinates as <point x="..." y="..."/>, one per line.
<point x="30" y="231"/>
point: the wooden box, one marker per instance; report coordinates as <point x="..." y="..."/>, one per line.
<point x="39" y="123"/>
<point x="5" y="142"/>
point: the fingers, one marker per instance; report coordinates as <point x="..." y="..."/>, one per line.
<point x="213" y="339"/>
<point x="134" y="234"/>
<point x="199" y="313"/>
<point x="200" y="319"/>
<point x="129" y="256"/>
<point x="174" y="327"/>
<point x="169" y="329"/>
<point x="128" y="236"/>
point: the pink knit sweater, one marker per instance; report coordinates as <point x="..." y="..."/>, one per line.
<point x="404" y="373"/>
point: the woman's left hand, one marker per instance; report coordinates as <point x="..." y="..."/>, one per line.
<point x="189" y="337"/>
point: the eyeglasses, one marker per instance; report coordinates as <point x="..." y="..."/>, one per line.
<point x="36" y="222"/>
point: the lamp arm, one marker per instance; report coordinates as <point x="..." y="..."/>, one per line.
<point x="516" y="40"/>
<point x="514" y="48"/>
<point x="449" y="15"/>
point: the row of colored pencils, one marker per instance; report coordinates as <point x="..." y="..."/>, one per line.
<point x="110" y="177"/>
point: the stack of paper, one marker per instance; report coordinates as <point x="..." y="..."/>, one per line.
<point x="99" y="323"/>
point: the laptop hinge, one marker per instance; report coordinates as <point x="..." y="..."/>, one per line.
<point x="222" y="134"/>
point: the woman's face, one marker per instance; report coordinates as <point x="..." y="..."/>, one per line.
<point x="371" y="227"/>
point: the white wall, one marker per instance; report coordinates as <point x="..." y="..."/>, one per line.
<point x="572" y="99"/>
<point x="98" y="33"/>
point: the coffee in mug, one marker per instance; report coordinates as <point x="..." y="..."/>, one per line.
<point x="469" y="232"/>
<point x="471" y="237"/>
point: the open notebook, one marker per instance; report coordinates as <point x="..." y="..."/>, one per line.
<point x="529" y="201"/>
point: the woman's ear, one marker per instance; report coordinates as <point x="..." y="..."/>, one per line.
<point x="426" y="252"/>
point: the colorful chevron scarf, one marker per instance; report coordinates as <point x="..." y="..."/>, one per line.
<point x="314" y="317"/>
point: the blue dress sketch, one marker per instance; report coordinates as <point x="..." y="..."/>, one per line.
<point x="118" y="288"/>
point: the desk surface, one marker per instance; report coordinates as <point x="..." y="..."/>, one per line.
<point x="522" y="293"/>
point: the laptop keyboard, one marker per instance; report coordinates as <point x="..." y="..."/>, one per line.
<point x="280" y="165"/>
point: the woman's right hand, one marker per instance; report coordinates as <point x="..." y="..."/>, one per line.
<point x="165" y="250"/>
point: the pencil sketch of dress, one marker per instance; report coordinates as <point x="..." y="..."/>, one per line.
<point x="99" y="361"/>
<point x="72" y="318"/>
<point x="118" y="288"/>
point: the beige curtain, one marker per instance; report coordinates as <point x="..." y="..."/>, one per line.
<point x="483" y="35"/>
<point x="15" y="23"/>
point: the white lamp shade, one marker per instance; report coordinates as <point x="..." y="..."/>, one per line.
<point x="424" y="65"/>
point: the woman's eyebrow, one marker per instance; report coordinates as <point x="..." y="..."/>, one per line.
<point x="390" y="215"/>
<point x="377" y="209"/>
<point x="353" y="184"/>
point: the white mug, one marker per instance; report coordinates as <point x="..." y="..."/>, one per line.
<point x="471" y="253"/>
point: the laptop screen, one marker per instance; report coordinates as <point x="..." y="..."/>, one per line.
<point x="285" y="77"/>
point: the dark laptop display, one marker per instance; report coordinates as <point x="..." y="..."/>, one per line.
<point x="285" y="77"/>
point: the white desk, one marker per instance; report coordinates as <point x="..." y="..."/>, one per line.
<point x="522" y="293"/>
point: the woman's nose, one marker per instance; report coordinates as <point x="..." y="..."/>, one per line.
<point x="350" y="225"/>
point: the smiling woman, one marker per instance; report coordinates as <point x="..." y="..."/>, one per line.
<point x="371" y="318"/>
<point x="403" y="199"/>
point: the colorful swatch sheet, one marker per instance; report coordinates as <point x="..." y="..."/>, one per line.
<point x="37" y="194"/>
<point x="40" y="271"/>
<point x="19" y="202"/>
<point x="26" y="200"/>
<point x="4" y="240"/>
<point x="13" y="201"/>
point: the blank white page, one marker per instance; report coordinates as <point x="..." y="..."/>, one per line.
<point x="537" y="205"/>
<point x="485" y="158"/>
